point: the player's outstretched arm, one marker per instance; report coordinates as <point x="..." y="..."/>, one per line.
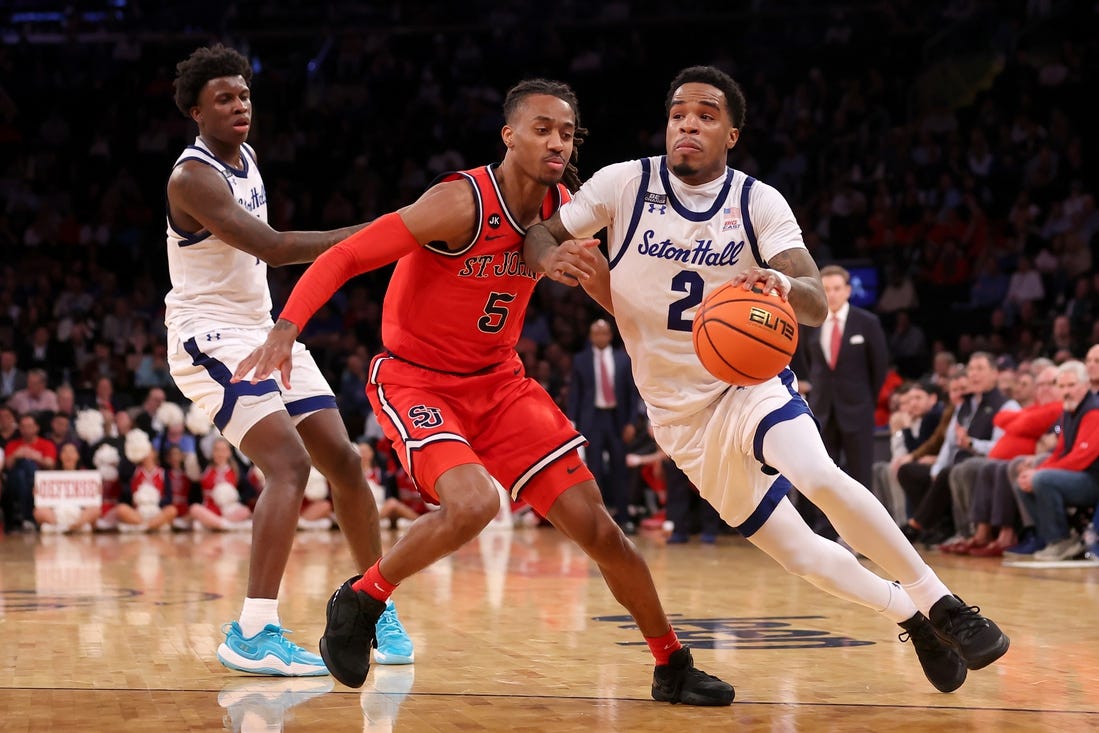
<point x="200" y="200"/>
<point x="432" y="218"/>
<point x="550" y="248"/>
<point x="274" y="353"/>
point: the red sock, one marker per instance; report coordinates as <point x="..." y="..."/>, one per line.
<point x="663" y="647"/>
<point x="374" y="585"/>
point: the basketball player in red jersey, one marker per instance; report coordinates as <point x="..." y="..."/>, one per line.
<point x="450" y="390"/>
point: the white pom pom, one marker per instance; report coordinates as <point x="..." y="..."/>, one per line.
<point x="146" y="495"/>
<point x="198" y="422"/>
<point x="89" y="426"/>
<point x="109" y="472"/>
<point x="66" y="515"/>
<point x="106" y="455"/>
<point x="316" y="486"/>
<point x="169" y="414"/>
<point x="138" y="446"/>
<point x="225" y="494"/>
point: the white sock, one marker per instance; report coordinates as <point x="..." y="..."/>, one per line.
<point x="257" y="613"/>
<point x="926" y="591"/>
<point x="901" y="607"/>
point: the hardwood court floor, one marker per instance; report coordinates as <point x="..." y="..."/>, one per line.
<point x="516" y="632"/>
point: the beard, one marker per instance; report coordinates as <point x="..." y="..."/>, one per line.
<point x="683" y="169"/>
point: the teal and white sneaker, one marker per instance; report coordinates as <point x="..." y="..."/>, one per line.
<point x="393" y="645"/>
<point x="269" y="653"/>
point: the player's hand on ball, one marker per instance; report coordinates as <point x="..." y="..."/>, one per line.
<point x="274" y="353"/>
<point x="763" y="278"/>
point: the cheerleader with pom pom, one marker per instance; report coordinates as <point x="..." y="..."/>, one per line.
<point x="221" y="508"/>
<point x="181" y="486"/>
<point x="146" y="506"/>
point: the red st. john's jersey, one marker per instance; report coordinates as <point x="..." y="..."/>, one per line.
<point x="462" y="311"/>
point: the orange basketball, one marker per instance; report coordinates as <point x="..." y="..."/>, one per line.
<point x="744" y="337"/>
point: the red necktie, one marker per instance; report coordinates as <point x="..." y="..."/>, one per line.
<point x="837" y="338"/>
<point x="605" y="385"/>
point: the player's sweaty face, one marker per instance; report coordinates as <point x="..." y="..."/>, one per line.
<point x="542" y="136"/>
<point x="225" y="108"/>
<point x="700" y="133"/>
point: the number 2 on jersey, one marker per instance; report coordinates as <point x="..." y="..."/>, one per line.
<point x="691" y="283"/>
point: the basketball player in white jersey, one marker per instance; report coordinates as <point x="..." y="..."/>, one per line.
<point x="219" y="309"/>
<point x="678" y="226"/>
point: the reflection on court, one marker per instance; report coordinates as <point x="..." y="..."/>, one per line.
<point x="516" y="631"/>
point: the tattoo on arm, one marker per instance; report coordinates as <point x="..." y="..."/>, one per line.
<point x="806" y="291"/>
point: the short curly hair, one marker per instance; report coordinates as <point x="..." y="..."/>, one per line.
<point x="734" y="97"/>
<point x="204" y="64"/>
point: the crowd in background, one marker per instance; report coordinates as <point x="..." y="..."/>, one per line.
<point x="950" y="161"/>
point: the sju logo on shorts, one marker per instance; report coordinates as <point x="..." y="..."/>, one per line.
<point x="425" y="417"/>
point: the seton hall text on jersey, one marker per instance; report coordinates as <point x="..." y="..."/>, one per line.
<point x="257" y="199"/>
<point x="702" y="253"/>
<point x="499" y="264"/>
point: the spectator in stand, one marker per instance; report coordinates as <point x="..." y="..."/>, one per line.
<point x="36" y="397"/>
<point x="917" y="471"/>
<point x="44" y="353"/>
<point x="145" y="416"/>
<point x="101" y="365"/>
<point x="907" y="345"/>
<point x="911" y="425"/>
<point x="899" y="293"/>
<point x="984" y="482"/>
<point x="104" y="398"/>
<point x="971" y="432"/>
<point x="351" y="398"/>
<point x="1024" y="286"/>
<point x="9" y="426"/>
<point x="1080" y="308"/>
<point x="66" y="401"/>
<point x="60" y="430"/>
<point x="23" y="456"/>
<point x="1070" y="475"/>
<point x="989" y="288"/>
<point x="1091" y="363"/>
<point x="1061" y="340"/>
<point x="1024" y="389"/>
<point x="152" y="368"/>
<point x="887" y="401"/>
<point x="943" y="365"/>
<point x="12" y="378"/>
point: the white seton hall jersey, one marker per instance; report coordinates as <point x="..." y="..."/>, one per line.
<point x="214" y="284"/>
<point x="671" y="244"/>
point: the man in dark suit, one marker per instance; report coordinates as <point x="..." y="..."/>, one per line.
<point x="844" y="361"/>
<point x="602" y="403"/>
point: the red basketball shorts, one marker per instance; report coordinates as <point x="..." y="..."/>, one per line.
<point x="499" y="419"/>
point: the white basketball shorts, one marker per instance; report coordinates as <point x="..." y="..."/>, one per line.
<point x="202" y="365"/>
<point x="720" y="448"/>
